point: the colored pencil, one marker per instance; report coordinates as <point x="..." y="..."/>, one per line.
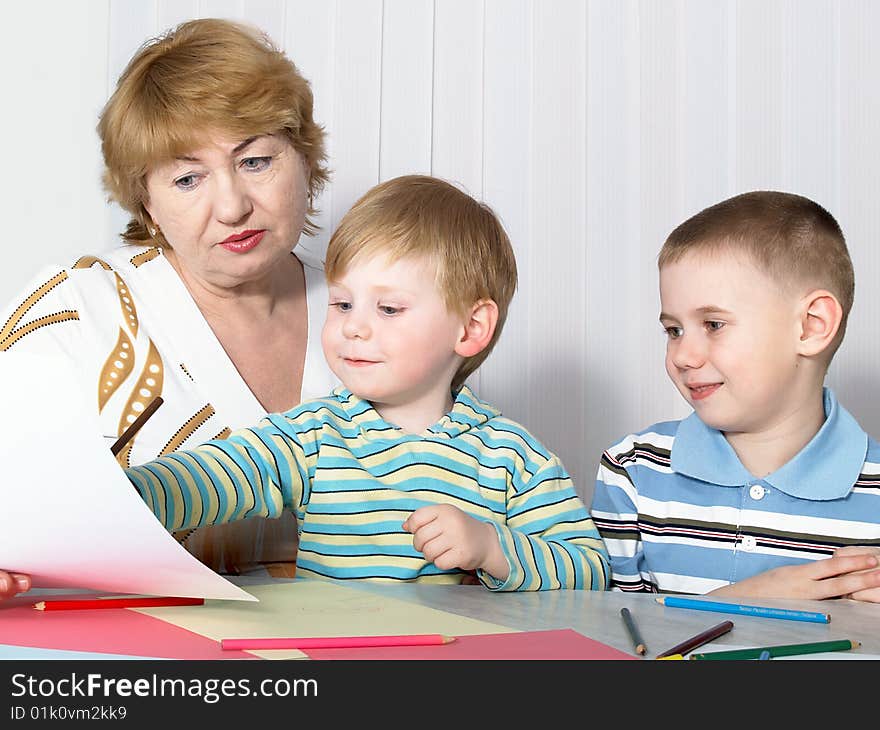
<point x="90" y="603"/>
<point x="671" y="656"/>
<point x="128" y="434"/>
<point x="335" y="642"/>
<point x="743" y="610"/>
<point x="633" y="631"/>
<point x="783" y="650"/>
<point x="703" y="637"/>
<point x="764" y="654"/>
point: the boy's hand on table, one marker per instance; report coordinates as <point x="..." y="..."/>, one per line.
<point x="450" y="539"/>
<point x="13" y="583"/>
<point x="871" y="595"/>
<point x="845" y="575"/>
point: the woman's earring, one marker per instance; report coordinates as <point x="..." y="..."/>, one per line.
<point x="152" y="231"/>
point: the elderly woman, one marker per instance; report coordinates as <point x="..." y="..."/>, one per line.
<point x="210" y="145"/>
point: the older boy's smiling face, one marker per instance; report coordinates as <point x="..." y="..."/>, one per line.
<point x="389" y="336"/>
<point x="732" y="335"/>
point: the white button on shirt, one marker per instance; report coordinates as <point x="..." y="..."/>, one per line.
<point x="749" y="543"/>
<point x="756" y="491"/>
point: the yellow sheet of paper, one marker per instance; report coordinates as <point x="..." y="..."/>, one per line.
<point x="317" y="608"/>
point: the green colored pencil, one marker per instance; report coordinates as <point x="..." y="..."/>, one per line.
<point x="783" y="650"/>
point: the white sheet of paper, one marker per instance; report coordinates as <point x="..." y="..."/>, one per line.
<point x="71" y="518"/>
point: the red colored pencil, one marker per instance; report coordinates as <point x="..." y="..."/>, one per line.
<point x="335" y="642"/>
<point x="90" y="603"/>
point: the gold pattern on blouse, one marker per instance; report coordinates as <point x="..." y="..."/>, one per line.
<point x="86" y="262"/>
<point x="148" y="386"/>
<point x="129" y="312"/>
<point x="117" y="368"/>
<point x="187" y="429"/>
<point x="11" y="331"/>
<point x="148" y="255"/>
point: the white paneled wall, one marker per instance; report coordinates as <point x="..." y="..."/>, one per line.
<point x="592" y="127"/>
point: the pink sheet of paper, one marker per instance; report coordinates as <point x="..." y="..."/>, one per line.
<point x="108" y="631"/>
<point x="554" y="644"/>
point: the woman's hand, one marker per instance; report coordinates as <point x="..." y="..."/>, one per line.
<point x="13" y="583"/>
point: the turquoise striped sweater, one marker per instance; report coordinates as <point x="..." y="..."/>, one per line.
<point x="352" y="478"/>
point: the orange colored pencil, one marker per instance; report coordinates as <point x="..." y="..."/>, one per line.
<point x="91" y="603"/>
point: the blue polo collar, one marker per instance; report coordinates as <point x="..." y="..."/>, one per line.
<point x="826" y="468"/>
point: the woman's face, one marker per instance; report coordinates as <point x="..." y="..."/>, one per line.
<point x="231" y="210"/>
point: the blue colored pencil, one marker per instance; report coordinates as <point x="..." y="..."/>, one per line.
<point x="743" y="610"/>
<point x="765" y="654"/>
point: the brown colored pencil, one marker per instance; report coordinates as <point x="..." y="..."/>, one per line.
<point x="128" y="434"/>
<point x="702" y="638"/>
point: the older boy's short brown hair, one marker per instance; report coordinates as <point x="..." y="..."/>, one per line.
<point x="202" y="77"/>
<point x="422" y="216"/>
<point x="790" y="237"/>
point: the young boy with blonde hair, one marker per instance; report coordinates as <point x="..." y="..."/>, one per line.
<point x="402" y="474"/>
<point x="769" y="488"/>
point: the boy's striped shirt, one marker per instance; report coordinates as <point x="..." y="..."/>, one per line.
<point x="679" y="513"/>
<point x="352" y="479"/>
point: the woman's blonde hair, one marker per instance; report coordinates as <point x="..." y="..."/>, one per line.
<point x="202" y="77"/>
<point x="425" y="217"/>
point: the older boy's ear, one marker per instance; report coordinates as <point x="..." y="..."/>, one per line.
<point x="479" y="328"/>
<point x="820" y="320"/>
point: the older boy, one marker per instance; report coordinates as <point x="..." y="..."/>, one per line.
<point x="769" y="476"/>
<point x="403" y="474"/>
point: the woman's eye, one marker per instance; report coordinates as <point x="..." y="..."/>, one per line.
<point x="342" y="306"/>
<point x="187" y="182"/>
<point x="673" y="332"/>
<point x="256" y="164"/>
<point x="713" y="326"/>
<point x="388" y="310"/>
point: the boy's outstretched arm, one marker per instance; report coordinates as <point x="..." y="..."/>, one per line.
<point x="254" y="472"/>
<point x="849" y="573"/>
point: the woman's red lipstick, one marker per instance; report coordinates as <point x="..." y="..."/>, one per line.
<point x="244" y="241"/>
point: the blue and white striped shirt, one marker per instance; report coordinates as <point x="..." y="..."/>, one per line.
<point x="352" y="479"/>
<point x="680" y="513"/>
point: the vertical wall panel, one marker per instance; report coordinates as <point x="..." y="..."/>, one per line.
<point x="53" y="84"/>
<point x="458" y="89"/>
<point x="758" y="120"/>
<point x="407" y="87"/>
<point x="616" y="354"/>
<point x="266" y="14"/>
<point x="663" y="152"/>
<point x="233" y="9"/>
<point x="507" y="188"/>
<point x="812" y="100"/>
<point x="355" y="127"/>
<point x="309" y="36"/>
<point x="171" y="12"/>
<point x="854" y="372"/>
<point x="705" y="116"/>
<point x="557" y="320"/>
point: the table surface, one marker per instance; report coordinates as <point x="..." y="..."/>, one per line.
<point x="596" y="614"/>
